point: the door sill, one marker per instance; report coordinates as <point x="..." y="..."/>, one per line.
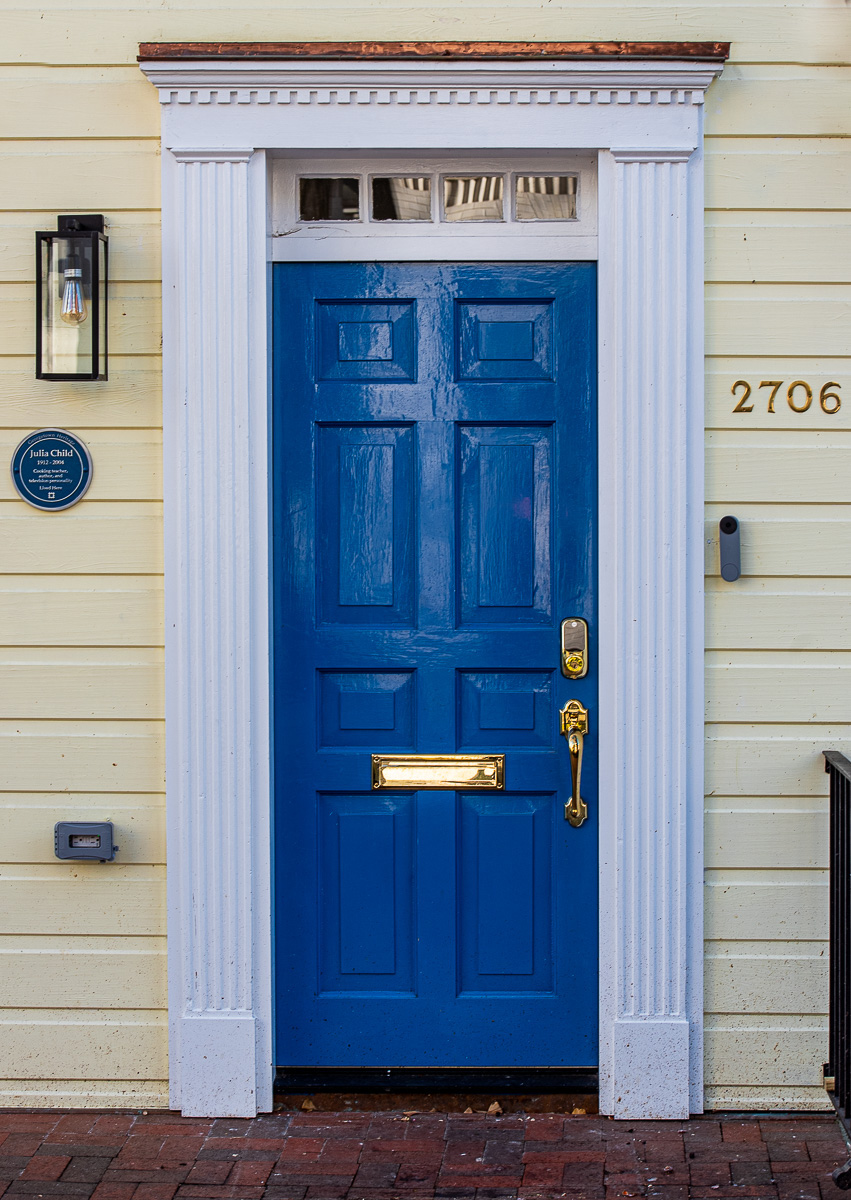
<point x="506" y="1080"/>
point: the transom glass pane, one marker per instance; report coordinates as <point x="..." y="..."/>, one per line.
<point x="407" y="199"/>
<point x="328" y="200"/>
<point x="473" y="198"/>
<point x="545" y="198"/>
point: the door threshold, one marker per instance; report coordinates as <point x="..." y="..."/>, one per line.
<point x="492" y="1080"/>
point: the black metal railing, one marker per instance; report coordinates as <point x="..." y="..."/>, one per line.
<point x="838" y="1069"/>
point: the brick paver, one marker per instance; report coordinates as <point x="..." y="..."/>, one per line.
<point x="416" y="1156"/>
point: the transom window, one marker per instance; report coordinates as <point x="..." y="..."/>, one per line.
<point x="403" y="206"/>
<point x="441" y="198"/>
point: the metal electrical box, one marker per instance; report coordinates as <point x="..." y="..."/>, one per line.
<point x="90" y="841"/>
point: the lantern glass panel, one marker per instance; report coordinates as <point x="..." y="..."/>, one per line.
<point x="101" y="246"/>
<point x="72" y="318"/>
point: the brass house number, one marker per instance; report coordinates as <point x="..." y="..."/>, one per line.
<point x="799" y="395"/>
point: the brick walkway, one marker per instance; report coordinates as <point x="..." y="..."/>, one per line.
<point x="392" y="1156"/>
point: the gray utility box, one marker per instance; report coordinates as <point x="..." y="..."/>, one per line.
<point x="90" y="841"/>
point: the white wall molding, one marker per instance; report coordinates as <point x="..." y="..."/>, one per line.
<point x="644" y="120"/>
<point x="212" y="156"/>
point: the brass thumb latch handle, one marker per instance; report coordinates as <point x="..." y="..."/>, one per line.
<point x="574" y="726"/>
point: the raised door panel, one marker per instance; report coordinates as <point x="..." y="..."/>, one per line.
<point x="365" y="894"/>
<point x="365" y="524"/>
<point x="505" y="524"/>
<point x="505" y="894"/>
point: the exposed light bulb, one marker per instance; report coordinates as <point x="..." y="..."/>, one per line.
<point x="73" y="310"/>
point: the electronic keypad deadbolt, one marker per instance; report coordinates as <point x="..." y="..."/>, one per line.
<point x="574" y="648"/>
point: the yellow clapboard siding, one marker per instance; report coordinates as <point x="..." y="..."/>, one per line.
<point x="776" y="173"/>
<point x="759" y="473"/>
<point x="80" y="176"/>
<point x="758" y="319"/>
<point x="767" y="905"/>
<point x="27" y="820"/>
<point x="754" y="101"/>
<point x="120" y="975"/>
<point x="723" y="373"/>
<point x="771" y="760"/>
<point x="86" y="544"/>
<point x="754" y="1098"/>
<point x="820" y="545"/>
<point x="126" y="465"/>
<point x="738" y="617"/>
<point x="80" y="611"/>
<point x="804" y="688"/>
<point x="766" y="839"/>
<point x="104" y="756"/>
<point x="87" y="690"/>
<point x="777" y="1055"/>
<point x="134" y="318"/>
<point x="63" y="1044"/>
<point x="114" y="899"/>
<point x="84" y="1093"/>
<point x="742" y="250"/>
<point x="98" y="33"/>
<point x="132" y="396"/>
<point x="56" y="104"/>
<point x="766" y="983"/>
<point x="134" y="247"/>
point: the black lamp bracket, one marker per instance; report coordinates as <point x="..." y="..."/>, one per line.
<point x="92" y="223"/>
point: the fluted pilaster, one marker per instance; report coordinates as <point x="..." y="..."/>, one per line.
<point x="216" y="479"/>
<point x="649" y="537"/>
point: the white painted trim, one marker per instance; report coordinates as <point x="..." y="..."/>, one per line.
<point x="644" y="119"/>
<point x="651" y="633"/>
<point x="216" y="439"/>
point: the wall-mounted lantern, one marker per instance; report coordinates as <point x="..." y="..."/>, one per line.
<point x="71" y="278"/>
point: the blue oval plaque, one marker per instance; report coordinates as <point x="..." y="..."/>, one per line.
<point x="51" y="469"/>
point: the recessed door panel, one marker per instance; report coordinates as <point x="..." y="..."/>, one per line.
<point x="356" y="708"/>
<point x="434" y="520"/>
<point x="514" y="708"/>
<point x="365" y="524"/>
<point x="505" y="341"/>
<point x="505" y="891"/>
<point x="368" y="342"/>
<point x="366" y="910"/>
<point x="505" y="524"/>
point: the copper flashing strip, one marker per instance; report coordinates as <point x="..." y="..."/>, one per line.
<point x="435" y="50"/>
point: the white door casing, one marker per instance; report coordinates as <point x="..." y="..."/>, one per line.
<point x="643" y="119"/>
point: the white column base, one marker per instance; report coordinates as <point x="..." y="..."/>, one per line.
<point x="651" y="1070"/>
<point x="219" y="1061"/>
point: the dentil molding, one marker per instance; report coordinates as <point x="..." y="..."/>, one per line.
<point x="247" y="83"/>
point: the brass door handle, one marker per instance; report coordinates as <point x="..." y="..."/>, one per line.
<point x="574" y="726"/>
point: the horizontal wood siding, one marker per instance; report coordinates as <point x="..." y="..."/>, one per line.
<point x="778" y="272"/>
<point x="81" y="946"/>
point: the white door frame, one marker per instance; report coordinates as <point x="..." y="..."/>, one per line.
<point x="644" y="119"/>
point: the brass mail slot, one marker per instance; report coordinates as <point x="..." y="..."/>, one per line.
<point x="438" y="771"/>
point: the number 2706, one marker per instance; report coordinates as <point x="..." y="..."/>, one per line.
<point x="799" y="395"/>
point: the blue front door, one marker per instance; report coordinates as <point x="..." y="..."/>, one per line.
<point x="434" y="513"/>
